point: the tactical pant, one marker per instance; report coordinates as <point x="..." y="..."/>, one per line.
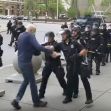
<point x="8" y="30"/>
<point x="73" y="83"/>
<point x="58" y="71"/>
<point x="1" y="64"/>
<point x="108" y="54"/>
<point x="12" y="40"/>
<point x="97" y="58"/>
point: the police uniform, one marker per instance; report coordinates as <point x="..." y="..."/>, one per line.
<point x="71" y="52"/>
<point x="108" y="46"/>
<point x="1" y="51"/>
<point x="13" y="30"/>
<point x="84" y="39"/>
<point x="52" y="65"/>
<point x="95" y="47"/>
<point x="19" y="31"/>
<point x="105" y="35"/>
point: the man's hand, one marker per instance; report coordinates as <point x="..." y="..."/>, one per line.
<point x="49" y="47"/>
<point x="83" y="52"/>
<point x="55" y="54"/>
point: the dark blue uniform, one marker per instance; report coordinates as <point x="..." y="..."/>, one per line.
<point x="1" y="51"/>
<point x="108" y="46"/>
<point x="95" y="48"/>
<point x="71" y="52"/>
<point x="52" y="65"/>
<point x="104" y="33"/>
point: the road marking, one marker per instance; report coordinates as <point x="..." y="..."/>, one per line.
<point x="6" y="66"/>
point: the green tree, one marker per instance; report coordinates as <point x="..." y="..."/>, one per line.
<point x="105" y="2"/>
<point x="29" y="6"/>
<point x="73" y="8"/>
<point x="71" y="12"/>
<point x="52" y="8"/>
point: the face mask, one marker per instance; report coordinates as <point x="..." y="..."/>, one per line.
<point x="45" y="39"/>
<point x="34" y="33"/>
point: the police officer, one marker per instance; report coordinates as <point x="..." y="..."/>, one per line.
<point x="75" y="34"/>
<point x="13" y="35"/>
<point x="1" y="51"/>
<point x="105" y="35"/>
<point x="9" y="25"/>
<point x="52" y="65"/>
<point x="109" y="44"/>
<point x="84" y="37"/>
<point x="95" y="45"/>
<point x="64" y="25"/>
<point x="73" y="53"/>
<point x="19" y="29"/>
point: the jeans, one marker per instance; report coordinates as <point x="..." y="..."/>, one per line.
<point x="29" y="78"/>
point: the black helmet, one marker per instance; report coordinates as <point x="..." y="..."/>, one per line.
<point x="95" y="26"/>
<point x="78" y="28"/>
<point x="103" y="26"/>
<point x="88" y="28"/>
<point x="20" y="23"/>
<point x="50" y="34"/>
<point x="66" y="31"/>
<point x="94" y="32"/>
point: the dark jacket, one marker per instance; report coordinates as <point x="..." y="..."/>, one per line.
<point x="9" y="24"/>
<point x="19" y="31"/>
<point x="95" y="43"/>
<point x="27" y="46"/>
<point x="48" y="59"/>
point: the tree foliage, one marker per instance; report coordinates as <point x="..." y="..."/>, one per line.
<point x="50" y="6"/>
<point x="105" y="2"/>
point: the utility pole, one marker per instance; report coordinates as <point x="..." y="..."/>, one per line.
<point x="46" y="14"/>
<point x="57" y="9"/>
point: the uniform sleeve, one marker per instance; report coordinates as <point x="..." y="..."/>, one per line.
<point x="58" y="47"/>
<point x="101" y="43"/>
<point x="79" y="47"/>
<point x="37" y="46"/>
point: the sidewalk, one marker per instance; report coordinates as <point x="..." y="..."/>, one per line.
<point x="3" y="29"/>
<point x="101" y="88"/>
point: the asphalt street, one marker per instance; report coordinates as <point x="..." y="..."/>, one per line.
<point x="101" y="85"/>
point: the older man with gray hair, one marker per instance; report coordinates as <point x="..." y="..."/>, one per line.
<point x="27" y="47"/>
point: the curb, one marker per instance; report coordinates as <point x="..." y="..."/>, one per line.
<point x="3" y="30"/>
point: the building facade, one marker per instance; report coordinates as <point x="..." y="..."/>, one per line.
<point x="11" y="7"/>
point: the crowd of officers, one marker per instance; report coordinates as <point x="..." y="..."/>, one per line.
<point x="15" y="29"/>
<point x="94" y="44"/>
<point x="96" y="40"/>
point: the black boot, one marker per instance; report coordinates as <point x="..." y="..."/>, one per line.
<point x="16" y="105"/>
<point x="75" y="96"/>
<point x="98" y="72"/>
<point x="40" y="104"/>
<point x="67" y="100"/>
<point x="89" y="101"/>
<point x="103" y="64"/>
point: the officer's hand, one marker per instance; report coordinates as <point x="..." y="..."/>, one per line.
<point x="49" y="47"/>
<point x="83" y="52"/>
<point x="55" y="54"/>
